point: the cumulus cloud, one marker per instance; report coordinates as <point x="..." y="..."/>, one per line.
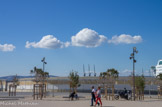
<point x="125" y="39"/>
<point x="48" y="42"/>
<point x="87" y="38"/>
<point x="7" y="47"/>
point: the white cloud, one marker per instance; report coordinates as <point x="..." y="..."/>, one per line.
<point x="7" y="47"/>
<point x="67" y="44"/>
<point x="125" y="72"/>
<point x="48" y="42"/>
<point x="87" y="38"/>
<point x="125" y="39"/>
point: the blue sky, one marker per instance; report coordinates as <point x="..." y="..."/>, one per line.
<point x="91" y="23"/>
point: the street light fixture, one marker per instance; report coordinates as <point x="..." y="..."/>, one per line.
<point x="43" y="60"/>
<point x="134" y="61"/>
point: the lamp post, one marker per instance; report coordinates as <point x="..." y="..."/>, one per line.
<point x="150" y="83"/>
<point x="43" y="60"/>
<point x="134" y="61"/>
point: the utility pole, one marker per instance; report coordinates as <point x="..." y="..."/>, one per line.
<point x="134" y="61"/>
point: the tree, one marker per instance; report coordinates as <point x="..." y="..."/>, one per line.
<point x="104" y="78"/>
<point x="74" y="80"/>
<point x="16" y="81"/>
<point x="108" y="78"/>
<point x="40" y="75"/>
<point x="113" y="75"/>
<point x="159" y="76"/>
<point x="13" y="86"/>
<point x="140" y="85"/>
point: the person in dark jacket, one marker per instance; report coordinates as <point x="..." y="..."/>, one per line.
<point x="93" y="97"/>
<point x="72" y="95"/>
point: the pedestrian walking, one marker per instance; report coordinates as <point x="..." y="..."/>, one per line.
<point x="98" y="96"/>
<point x="93" y="98"/>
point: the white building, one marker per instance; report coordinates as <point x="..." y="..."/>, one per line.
<point x="158" y="68"/>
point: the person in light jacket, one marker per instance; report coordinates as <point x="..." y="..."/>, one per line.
<point x="98" y="96"/>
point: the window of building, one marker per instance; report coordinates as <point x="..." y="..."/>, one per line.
<point x="160" y="63"/>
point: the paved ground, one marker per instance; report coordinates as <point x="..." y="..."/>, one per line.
<point x="60" y="102"/>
